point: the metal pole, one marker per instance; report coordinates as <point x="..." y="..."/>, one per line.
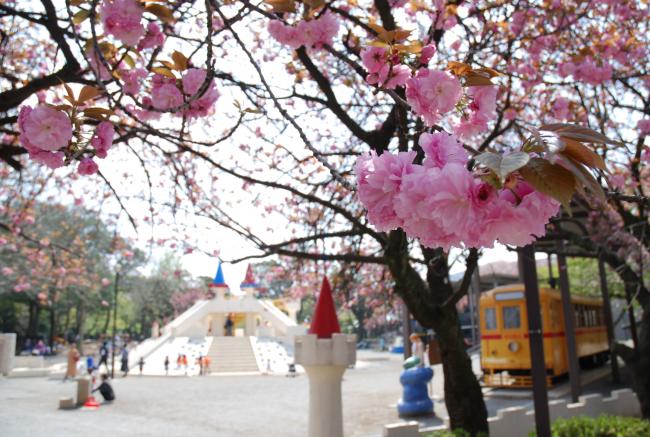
<point x="569" y="322"/>
<point x="117" y="280"/>
<point x="551" y="279"/>
<point x="630" y="316"/>
<point x="607" y="309"/>
<point x="536" y="340"/>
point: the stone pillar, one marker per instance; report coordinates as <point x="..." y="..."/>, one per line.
<point x="250" y="324"/>
<point x="325" y="361"/>
<point x="217" y="325"/>
<point x="7" y="352"/>
<point x="83" y="390"/>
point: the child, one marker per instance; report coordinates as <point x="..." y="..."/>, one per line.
<point x="105" y="389"/>
<point x="90" y="364"/>
<point x="141" y="365"/>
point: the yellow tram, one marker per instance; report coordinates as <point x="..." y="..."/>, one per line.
<point x="505" y="352"/>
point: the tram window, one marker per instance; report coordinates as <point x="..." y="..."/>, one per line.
<point x="511" y="317"/>
<point x="580" y="321"/>
<point x="490" y="318"/>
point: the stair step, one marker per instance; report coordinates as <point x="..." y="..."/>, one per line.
<point x="232" y="355"/>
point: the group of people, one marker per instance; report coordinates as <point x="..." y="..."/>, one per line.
<point x="74" y="356"/>
<point x="182" y="361"/>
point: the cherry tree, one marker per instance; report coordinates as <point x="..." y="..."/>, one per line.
<point x="452" y="124"/>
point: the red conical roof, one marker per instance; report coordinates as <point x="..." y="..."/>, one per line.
<point x="249" y="280"/>
<point x="325" y="323"/>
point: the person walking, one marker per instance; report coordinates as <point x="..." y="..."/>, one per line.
<point x="103" y="356"/>
<point x="228" y="326"/>
<point x="206" y="365"/>
<point x="141" y="364"/>
<point x="73" y="357"/>
<point x="199" y="361"/>
<point x="179" y="362"/>
<point x="125" y="362"/>
<point x="167" y="365"/>
<point x="184" y="359"/>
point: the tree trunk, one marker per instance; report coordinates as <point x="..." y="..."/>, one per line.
<point x="52" y="325"/>
<point x="32" y="325"/>
<point x="639" y="362"/>
<point x="428" y="304"/>
<point x="66" y="324"/>
<point x="81" y="318"/>
<point x="107" y="321"/>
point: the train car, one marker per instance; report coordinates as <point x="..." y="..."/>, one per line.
<point x="505" y="352"/>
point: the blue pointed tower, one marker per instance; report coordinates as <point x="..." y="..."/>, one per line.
<point x="219" y="281"/>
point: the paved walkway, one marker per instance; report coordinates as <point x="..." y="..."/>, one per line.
<point x="222" y="406"/>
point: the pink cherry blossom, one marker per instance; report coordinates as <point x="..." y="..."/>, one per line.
<point x="123" y="20"/>
<point x="432" y="93"/>
<point x="285" y="34"/>
<point x="517" y="22"/>
<point x="7" y="271"/>
<point x="484" y="100"/>
<point x="87" y="166"/>
<point x="44" y="128"/>
<point x="390" y="77"/>
<point x="133" y="80"/>
<point x="192" y="80"/>
<point x="441" y="149"/>
<point x="561" y="108"/>
<point x="645" y="156"/>
<point x="204" y="105"/>
<point x="374" y="58"/>
<point x="427" y="53"/>
<point x="319" y="32"/>
<point x="153" y="38"/>
<point x="644" y="126"/>
<point x="483" y="109"/>
<point x="166" y="96"/>
<point x="379" y="179"/>
<point x="103" y="138"/>
<point x="52" y="160"/>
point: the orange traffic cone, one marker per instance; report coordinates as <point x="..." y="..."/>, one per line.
<point x="91" y="403"/>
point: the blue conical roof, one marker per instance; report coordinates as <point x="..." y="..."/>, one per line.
<point x="218" y="280"/>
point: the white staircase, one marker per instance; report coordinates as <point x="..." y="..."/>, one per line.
<point x="232" y="355"/>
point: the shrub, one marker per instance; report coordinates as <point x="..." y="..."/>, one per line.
<point x="601" y="426"/>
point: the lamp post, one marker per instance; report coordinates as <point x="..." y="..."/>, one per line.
<point x="117" y="281"/>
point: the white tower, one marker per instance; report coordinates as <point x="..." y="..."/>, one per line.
<point x="325" y="353"/>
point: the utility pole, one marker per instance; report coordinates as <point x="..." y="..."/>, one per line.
<point x="117" y="281"/>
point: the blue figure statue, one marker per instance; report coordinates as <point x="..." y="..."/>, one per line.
<point x="415" y="400"/>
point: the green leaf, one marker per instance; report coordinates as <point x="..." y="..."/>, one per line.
<point x="502" y="166"/>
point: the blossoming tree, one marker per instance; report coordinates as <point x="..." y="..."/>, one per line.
<point x="456" y="125"/>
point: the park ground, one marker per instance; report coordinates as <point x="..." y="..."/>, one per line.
<point x="223" y="406"/>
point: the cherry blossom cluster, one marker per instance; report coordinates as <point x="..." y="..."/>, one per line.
<point x="443" y="204"/>
<point x="123" y="20"/>
<point x="313" y="34"/>
<point x="432" y="93"/>
<point x="47" y="134"/>
<point x="168" y="93"/>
